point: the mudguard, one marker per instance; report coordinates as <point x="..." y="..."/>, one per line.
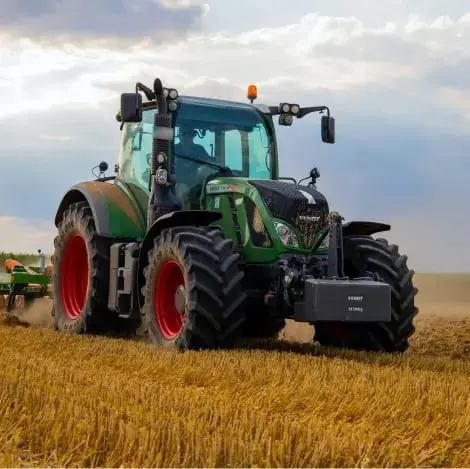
<point x="364" y="228"/>
<point x="172" y="219"/>
<point x="113" y="210"/>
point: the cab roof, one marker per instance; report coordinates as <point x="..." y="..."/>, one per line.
<point x="197" y="100"/>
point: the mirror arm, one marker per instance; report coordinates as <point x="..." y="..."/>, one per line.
<point x="276" y="111"/>
<point x="149" y="94"/>
<point x="308" y="110"/>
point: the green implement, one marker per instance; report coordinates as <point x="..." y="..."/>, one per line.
<point x="23" y="283"/>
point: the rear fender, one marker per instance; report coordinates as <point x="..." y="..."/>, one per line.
<point x="114" y="214"/>
<point x="170" y="220"/>
<point x="364" y="228"/>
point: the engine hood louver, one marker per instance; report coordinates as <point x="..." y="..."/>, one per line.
<point x="302" y="207"/>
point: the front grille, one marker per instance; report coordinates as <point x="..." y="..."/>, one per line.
<point x="285" y="202"/>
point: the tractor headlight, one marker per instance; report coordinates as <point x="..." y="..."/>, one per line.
<point x="161" y="176"/>
<point x="286" y="235"/>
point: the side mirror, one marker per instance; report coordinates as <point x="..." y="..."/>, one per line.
<point x="328" y="129"/>
<point x="103" y="167"/>
<point x="315" y="173"/>
<point x="131" y="107"/>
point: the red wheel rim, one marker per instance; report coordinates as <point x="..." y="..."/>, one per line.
<point x="170" y="283"/>
<point x="74" y="274"/>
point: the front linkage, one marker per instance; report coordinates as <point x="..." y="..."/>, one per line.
<point x="312" y="289"/>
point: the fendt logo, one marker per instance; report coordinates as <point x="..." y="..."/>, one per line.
<point x="355" y="298"/>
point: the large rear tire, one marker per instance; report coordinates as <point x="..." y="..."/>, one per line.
<point x="365" y="256"/>
<point x="80" y="274"/>
<point x="193" y="295"/>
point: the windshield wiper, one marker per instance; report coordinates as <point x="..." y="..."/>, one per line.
<point x="207" y="163"/>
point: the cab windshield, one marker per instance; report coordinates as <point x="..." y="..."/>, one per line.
<point x="207" y="137"/>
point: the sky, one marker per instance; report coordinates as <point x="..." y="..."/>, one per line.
<point x="395" y="74"/>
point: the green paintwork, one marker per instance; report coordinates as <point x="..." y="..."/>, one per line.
<point x="243" y="189"/>
<point x="125" y="217"/>
<point x="5" y="283"/>
<point x="139" y="202"/>
<point x="26" y="281"/>
<point x="22" y="275"/>
<point x="25" y="278"/>
<point x="130" y="221"/>
<point x="122" y="227"/>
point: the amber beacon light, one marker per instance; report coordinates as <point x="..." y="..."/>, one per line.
<point x="252" y="93"/>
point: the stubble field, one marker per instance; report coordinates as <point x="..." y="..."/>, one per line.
<point x="80" y="401"/>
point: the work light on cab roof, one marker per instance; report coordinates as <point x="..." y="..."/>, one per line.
<point x="252" y="93"/>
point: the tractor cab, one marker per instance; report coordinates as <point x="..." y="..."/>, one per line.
<point x="210" y="136"/>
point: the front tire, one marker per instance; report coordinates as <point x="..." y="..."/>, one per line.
<point x="366" y="256"/>
<point x="191" y="301"/>
<point x="80" y="274"/>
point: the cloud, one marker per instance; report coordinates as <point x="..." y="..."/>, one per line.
<point x="397" y="88"/>
<point x="67" y="20"/>
<point x="334" y="53"/>
<point x="26" y="235"/>
<point x="55" y="138"/>
<point x="316" y="52"/>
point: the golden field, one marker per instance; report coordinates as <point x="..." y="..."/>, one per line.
<point x="81" y="401"/>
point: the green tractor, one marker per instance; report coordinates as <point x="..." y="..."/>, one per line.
<point x="199" y="242"/>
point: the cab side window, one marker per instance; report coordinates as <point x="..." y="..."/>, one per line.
<point x="233" y="150"/>
<point x="258" y="142"/>
<point x="134" y="158"/>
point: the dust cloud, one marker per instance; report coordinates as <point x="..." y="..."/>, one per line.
<point x="38" y="315"/>
<point x="443" y="297"/>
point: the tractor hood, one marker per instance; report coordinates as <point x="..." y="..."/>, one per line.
<point x="304" y="208"/>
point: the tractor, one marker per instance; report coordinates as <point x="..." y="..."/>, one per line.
<point x="200" y="243"/>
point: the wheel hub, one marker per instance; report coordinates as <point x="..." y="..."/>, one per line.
<point x="180" y="299"/>
<point x="170" y="299"/>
